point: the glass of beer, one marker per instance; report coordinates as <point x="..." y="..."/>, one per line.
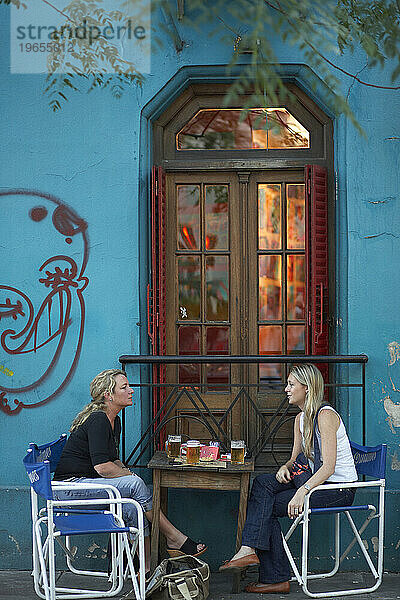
<point x="193" y="452"/>
<point x="237" y="452"/>
<point x="174" y="446"/>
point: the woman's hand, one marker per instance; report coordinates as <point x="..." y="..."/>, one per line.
<point x="295" y="506"/>
<point x="283" y="475"/>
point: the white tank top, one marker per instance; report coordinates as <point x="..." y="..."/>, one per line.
<point x="345" y="470"/>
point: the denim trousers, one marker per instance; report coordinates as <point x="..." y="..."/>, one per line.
<point x="269" y="500"/>
<point x="129" y="486"/>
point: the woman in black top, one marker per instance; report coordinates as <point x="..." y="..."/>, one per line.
<point x="91" y="452"/>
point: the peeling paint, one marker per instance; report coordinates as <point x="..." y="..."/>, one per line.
<point x="365" y="542"/>
<point x="395" y="463"/>
<point x="393" y="411"/>
<point x="394" y="351"/>
<point x="375" y="543"/>
<point x="12" y="538"/>
<point x="93" y="547"/>
<point x="398" y="545"/>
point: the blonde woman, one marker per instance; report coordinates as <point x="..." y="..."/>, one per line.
<point x="91" y="452"/>
<point x="276" y="495"/>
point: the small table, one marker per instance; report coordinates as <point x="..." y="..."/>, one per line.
<point x="167" y="474"/>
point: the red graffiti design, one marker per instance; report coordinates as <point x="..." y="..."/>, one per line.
<point x="52" y="318"/>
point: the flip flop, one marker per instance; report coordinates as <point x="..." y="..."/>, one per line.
<point x="188" y="547"/>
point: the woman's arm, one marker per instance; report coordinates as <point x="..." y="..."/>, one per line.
<point x="328" y="424"/>
<point x="112" y="469"/>
<point x="283" y="474"/>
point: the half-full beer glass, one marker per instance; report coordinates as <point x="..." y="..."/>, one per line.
<point x="173" y="446"/>
<point x="193" y="452"/>
<point x="237" y="452"/>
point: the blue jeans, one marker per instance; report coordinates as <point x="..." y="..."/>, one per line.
<point x="129" y="486"/>
<point x="269" y="500"/>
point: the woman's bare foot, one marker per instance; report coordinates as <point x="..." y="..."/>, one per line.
<point x="185" y="545"/>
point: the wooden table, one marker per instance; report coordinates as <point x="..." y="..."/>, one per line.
<point x="167" y="474"/>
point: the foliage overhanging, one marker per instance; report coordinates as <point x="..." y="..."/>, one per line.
<point x="316" y="29"/>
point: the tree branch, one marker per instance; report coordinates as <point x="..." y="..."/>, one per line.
<point x="314" y="49"/>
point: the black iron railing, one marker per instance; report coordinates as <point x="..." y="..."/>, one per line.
<point x="261" y="439"/>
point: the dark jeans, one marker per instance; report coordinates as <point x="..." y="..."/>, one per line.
<point x="269" y="500"/>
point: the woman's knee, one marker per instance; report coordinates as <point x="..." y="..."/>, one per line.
<point x="264" y="481"/>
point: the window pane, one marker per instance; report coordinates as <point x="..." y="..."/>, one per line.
<point x="188" y="211"/>
<point x="217" y="288"/>
<point x="241" y="129"/>
<point x="216" y="206"/>
<point x="189" y="344"/>
<point x="269" y="216"/>
<point x="296" y="292"/>
<point x="295" y="216"/>
<point x="270" y="342"/>
<point x="269" y="285"/>
<point x="217" y="342"/>
<point x="189" y="287"/>
<point x="284" y="131"/>
<point x="295" y="339"/>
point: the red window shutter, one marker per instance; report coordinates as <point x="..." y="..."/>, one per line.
<point x="156" y="297"/>
<point x="157" y="315"/>
<point x="317" y="254"/>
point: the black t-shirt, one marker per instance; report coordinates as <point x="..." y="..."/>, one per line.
<point x="92" y="443"/>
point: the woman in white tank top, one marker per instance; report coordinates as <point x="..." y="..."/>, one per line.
<point x="275" y="495"/>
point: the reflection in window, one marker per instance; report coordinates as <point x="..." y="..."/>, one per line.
<point x="269" y="284"/>
<point x="270" y="342"/>
<point x="295" y="216"/>
<point x="188" y="211"/>
<point x="189" y="287"/>
<point x="216" y="208"/>
<point x="295" y="339"/>
<point x="296" y="291"/>
<point x="189" y="345"/>
<point x="217" y="286"/>
<point x="269" y="216"/>
<point x="217" y="342"/>
<point x="240" y="129"/>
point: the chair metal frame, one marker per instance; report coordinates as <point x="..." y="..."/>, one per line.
<point x="369" y="461"/>
<point x="67" y="518"/>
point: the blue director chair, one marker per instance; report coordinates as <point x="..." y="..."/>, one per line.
<point x="63" y="519"/>
<point x="369" y="462"/>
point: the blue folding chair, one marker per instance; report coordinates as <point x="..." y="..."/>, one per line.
<point x="369" y="462"/>
<point x="62" y="519"/>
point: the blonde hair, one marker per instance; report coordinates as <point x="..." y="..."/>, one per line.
<point x="308" y="375"/>
<point x="102" y="383"/>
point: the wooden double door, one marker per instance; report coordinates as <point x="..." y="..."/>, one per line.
<point x="237" y="259"/>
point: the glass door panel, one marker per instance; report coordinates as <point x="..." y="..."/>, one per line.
<point x="189" y="287"/>
<point x="295" y="216"/>
<point x="217" y="288"/>
<point x="296" y="291"/>
<point x="188" y="212"/>
<point x="281" y="271"/>
<point x="269" y="216"/>
<point x="270" y="286"/>
<point x="201" y="206"/>
<point x="216" y="217"/>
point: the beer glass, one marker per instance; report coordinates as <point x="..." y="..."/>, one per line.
<point x="173" y="446"/>
<point x="193" y="452"/>
<point x="237" y="452"/>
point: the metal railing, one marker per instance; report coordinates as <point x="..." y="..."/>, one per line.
<point x="242" y="394"/>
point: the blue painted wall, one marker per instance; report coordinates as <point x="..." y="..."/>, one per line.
<point x="94" y="158"/>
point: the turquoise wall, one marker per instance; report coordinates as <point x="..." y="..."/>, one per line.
<point x="91" y="163"/>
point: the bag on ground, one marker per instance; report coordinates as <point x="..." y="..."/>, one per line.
<point x="182" y="578"/>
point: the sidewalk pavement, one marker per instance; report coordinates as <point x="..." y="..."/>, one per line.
<point x="18" y="585"/>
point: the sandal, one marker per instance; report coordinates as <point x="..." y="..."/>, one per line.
<point x="188" y="547"/>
